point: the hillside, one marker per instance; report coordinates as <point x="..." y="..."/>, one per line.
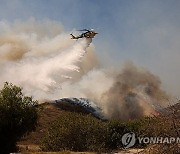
<point x="172" y="111"/>
<point x="49" y="112"/>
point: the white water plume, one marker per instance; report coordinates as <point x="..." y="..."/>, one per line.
<point x="38" y="64"/>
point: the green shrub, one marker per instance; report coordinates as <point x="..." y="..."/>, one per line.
<point x="76" y="132"/>
<point x="116" y="129"/>
<point x="17" y="116"/>
<point x="161" y="126"/>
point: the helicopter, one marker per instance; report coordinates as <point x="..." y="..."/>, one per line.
<point x="87" y="34"/>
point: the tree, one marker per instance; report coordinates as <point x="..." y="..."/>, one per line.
<point x="76" y="132"/>
<point x="18" y="116"/>
<point x="115" y="129"/>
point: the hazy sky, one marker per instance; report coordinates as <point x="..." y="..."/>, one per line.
<point x="146" y="32"/>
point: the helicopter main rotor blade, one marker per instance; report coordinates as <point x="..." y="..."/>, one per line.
<point x="83" y="30"/>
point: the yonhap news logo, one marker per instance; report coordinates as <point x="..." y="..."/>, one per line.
<point x="130" y="139"/>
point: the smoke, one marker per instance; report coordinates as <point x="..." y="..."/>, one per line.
<point x="40" y="57"/>
<point x="37" y="59"/>
<point x="129" y="93"/>
<point x="135" y="93"/>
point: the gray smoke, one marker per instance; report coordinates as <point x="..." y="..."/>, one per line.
<point x="135" y="93"/>
<point x="40" y="57"/>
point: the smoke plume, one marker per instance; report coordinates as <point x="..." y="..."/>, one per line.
<point x="41" y="58"/>
<point x="135" y="93"/>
